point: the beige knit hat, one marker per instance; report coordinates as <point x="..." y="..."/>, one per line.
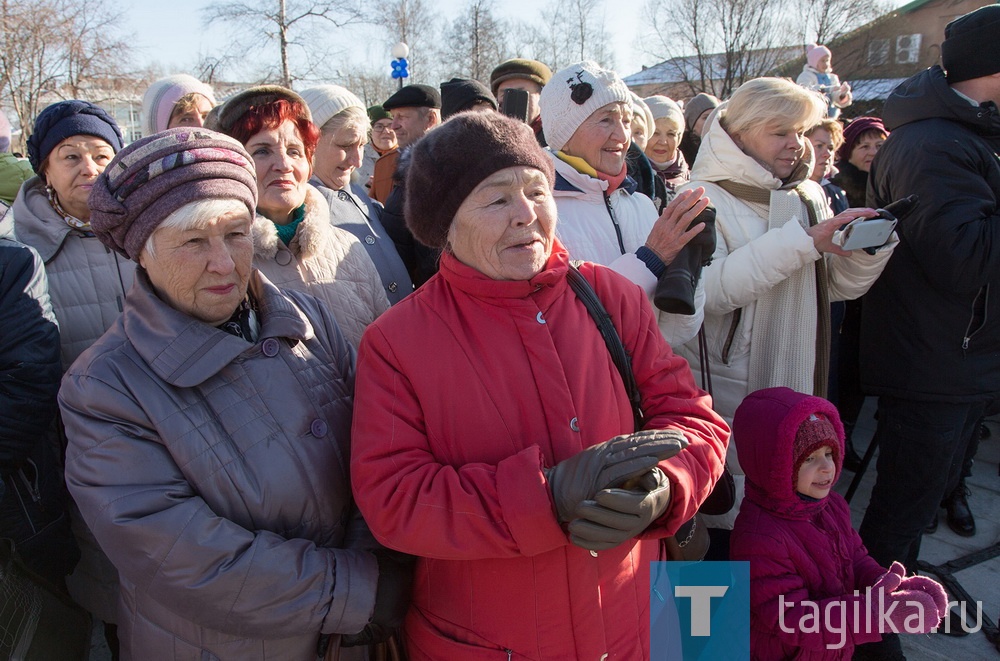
<point x="573" y="94"/>
<point x="663" y="106"/>
<point x="325" y="101"/>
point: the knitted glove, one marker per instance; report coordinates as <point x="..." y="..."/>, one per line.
<point x="617" y="515"/>
<point x="889" y="581"/>
<point x="930" y="587"/>
<point x="608" y="465"/>
<point x="914" y="612"/>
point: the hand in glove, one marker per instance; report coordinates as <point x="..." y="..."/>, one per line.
<point x="392" y="598"/>
<point x="618" y="515"/>
<point x="929" y="587"/>
<point x="889" y="581"/>
<point x="607" y="465"/>
<point x="915" y="612"/>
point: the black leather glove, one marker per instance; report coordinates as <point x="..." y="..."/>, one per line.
<point x="618" y="515"/>
<point x="609" y="464"/>
<point x="675" y="288"/>
<point x="392" y="598"/>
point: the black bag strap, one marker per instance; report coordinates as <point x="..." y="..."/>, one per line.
<point x="619" y="356"/>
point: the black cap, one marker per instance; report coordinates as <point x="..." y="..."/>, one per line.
<point x="460" y="94"/>
<point x="969" y="48"/>
<point x="414" y="96"/>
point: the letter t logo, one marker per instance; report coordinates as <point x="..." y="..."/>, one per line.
<point x="701" y="605"/>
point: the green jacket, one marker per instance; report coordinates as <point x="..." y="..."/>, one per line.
<point x="13" y="172"/>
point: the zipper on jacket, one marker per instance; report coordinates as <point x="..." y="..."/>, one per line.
<point x="984" y="293"/>
<point x="510" y="654"/>
<point x="614" y="221"/>
<point x="737" y="315"/>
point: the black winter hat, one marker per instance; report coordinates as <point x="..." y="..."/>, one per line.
<point x="450" y="161"/>
<point x="414" y="96"/>
<point x="969" y="49"/>
<point x="460" y="94"/>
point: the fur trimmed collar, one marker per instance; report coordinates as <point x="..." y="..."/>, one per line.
<point x="314" y="236"/>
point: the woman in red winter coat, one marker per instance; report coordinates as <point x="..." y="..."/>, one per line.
<point x="815" y="592"/>
<point x="492" y="426"/>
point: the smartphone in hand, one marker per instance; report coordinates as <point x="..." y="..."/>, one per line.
<point x="515" y="104"/>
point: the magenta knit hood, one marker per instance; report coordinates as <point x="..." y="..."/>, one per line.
<point x="764" y="429"/>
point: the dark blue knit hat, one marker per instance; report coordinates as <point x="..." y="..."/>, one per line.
<point x="66" y="119"/>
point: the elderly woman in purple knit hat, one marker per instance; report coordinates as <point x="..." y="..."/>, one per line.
<point x="209" y="428"/>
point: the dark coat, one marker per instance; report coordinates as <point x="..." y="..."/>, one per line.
<point x="929" y="327"/>
<point x="32" y="496"/>
<point x="420" y="260"/>
<point x="853" y="181"/>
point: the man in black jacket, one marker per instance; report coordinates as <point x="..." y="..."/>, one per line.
<point x="930" y="343"/>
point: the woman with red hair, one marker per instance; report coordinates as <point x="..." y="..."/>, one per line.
<point x="295" y="245"/>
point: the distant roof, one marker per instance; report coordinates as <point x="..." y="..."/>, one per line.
<point x="874" y="88"/>
<point x="682" y="69"/>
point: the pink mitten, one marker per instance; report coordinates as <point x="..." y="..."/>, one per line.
<point x="915" y="612"/>
<point x="930" y="587"/>
<point x="888" y="581"/>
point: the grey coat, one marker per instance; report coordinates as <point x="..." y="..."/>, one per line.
<point x="87" y="281"/>
<point x="354" y="211"/>
<point x="215" y="474"/>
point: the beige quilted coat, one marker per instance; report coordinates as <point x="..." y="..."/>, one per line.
<point x="325" y="261"/>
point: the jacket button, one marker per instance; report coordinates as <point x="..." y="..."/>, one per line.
<point x="574" y="424"/>
<point x="318" y="428"/>
<point x="392" y="287"/>
<point x="539" y="318"/>
<point x="343" y="195"/>
<point x="270" y="347"/>
<point x="594" y="553"/>
<point x="370" y="240"/>
<point x="283" y="257"/>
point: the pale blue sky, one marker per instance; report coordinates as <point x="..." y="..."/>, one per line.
<point x="171" y="32"/>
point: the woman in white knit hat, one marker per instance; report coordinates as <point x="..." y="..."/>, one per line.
<point x="344" y="126"/>
<point x="663" y="147"/>
<point x="174" y="101"/>
<point x="587" y="112"/>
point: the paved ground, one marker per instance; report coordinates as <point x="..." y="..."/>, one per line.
<point x="981" y="581"/>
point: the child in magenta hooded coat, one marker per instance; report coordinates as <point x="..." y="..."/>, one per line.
<point x="796" y="532"/>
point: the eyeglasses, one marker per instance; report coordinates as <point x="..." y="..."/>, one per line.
<point x="381" y="129"/>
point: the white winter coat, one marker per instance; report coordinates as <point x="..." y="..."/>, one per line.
<point x="587" y="230"/>
<point x="749" y="261"/>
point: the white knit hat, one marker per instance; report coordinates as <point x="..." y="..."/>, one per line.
<point x="325" y="101"/>
<point x="639" y="107"/>
<point x="159" y="100"/>
<point x="662" y="106"/>
<point x="573" y="94"/>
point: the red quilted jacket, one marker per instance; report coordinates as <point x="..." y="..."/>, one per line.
<point x="465" y="391"/>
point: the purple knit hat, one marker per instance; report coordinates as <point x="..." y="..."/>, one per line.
<point x="450" y="161"/>
<point x="854" y="130"/>
<point x="155" y="176"/>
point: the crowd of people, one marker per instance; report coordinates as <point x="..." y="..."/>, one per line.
<point x="294" y="377"/>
